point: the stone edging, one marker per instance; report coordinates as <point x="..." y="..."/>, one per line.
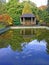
<point x="22" y="27"/>
<point x="26" y="27"/>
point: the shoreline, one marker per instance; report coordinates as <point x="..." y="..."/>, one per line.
<point x="4" y="30"/>
<point x="22" y="27"/>
<point x="27" y="27"/>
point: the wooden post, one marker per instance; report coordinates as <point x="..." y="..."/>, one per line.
<point x="23" y="21"/>
<point x="35" y="20"/>
<point x="31" y="20"/>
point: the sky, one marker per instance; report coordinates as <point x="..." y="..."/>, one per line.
<point x="39" y="2"/>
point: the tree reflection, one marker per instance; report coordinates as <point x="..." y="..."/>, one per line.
<point x="15" y="38"/>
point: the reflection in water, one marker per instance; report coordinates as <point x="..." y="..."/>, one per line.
<point x="27" y="31"/>
<point x="24" y="47"/>
<point x="14" y="38"/>
<point x="33" y="53"/>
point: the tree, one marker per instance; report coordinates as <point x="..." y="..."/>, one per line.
<point x="14" y="9"/>
<point x="27" y="9"/>
<point x="48" y="6"/>
<point x="6" y="19"/>
<point x="43" y="16"/>
<point x="43" y="7"/>
<point x="2" y="8"/>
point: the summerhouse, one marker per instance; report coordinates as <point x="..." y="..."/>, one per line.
<point x="28" y="19"/>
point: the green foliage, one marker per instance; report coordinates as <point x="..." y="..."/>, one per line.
<point x="2" y="8"/>
<point x="2" y="26"/>
<point x="6" y="19"/>
<point x="48" y="7"/>
<point x="44" y="16"/>
<point x="15" y="9"/>
<point x="27" y="9"/>
<point x="14" y="38"/>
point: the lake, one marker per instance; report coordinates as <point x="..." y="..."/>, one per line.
<point x="24" y="47"/>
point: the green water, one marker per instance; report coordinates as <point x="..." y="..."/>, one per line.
<point x="16" y="37"/>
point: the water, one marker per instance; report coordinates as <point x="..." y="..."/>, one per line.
<point x="24" y="47"/>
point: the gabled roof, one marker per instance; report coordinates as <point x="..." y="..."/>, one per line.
<point x="28" y="15"/>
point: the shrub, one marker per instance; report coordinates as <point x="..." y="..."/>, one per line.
<point x="6" y="19"/>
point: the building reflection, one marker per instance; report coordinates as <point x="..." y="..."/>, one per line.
<point x="15" y="38"/>
<point x="27" y="32"/>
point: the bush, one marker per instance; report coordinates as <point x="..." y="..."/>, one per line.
<point x="6" y="19"/>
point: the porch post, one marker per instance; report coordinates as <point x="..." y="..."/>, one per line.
<point x="31" y="20"/>
<point x="35" y="20"/>
<point x="23" y="21"/>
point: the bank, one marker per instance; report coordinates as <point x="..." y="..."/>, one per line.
<point x="22" y="27"/>
<point x="27" y="27"/>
